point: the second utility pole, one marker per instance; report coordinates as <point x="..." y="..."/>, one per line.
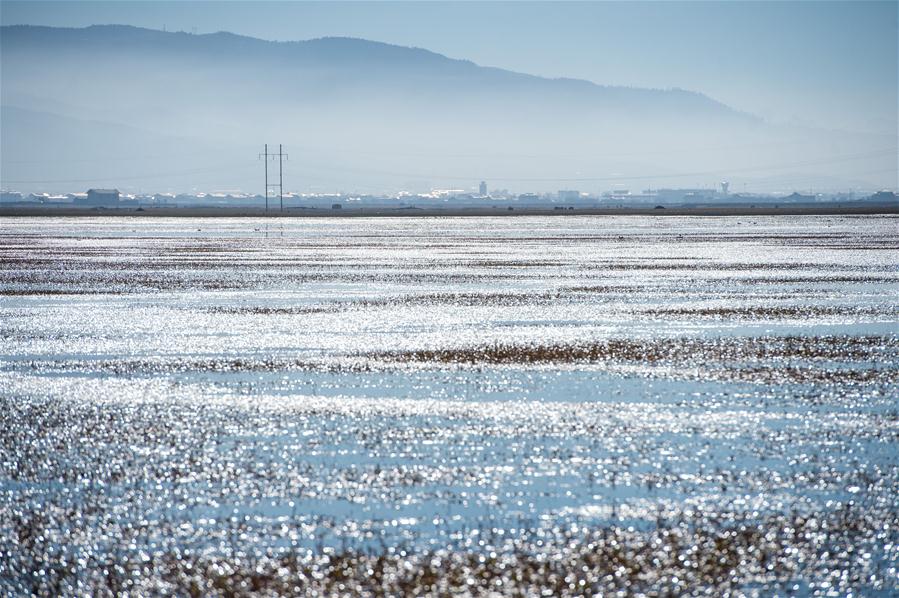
<point x="280" y="177"/>
<point x="266" y="178"/>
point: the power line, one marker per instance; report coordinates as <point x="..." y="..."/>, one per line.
<point x="720" y="172"/>
<point x="136" y="177"/>
<point x="424" y="151"/>
<point x="280" y="177"/>
<point x="281" y="156"/>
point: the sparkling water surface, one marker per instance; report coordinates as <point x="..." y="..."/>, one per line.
<point x="635" y="404"/>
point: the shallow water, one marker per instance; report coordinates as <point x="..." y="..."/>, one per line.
<point x="232" y="390"/>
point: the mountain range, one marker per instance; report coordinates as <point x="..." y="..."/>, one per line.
<point x="153" y="110"/>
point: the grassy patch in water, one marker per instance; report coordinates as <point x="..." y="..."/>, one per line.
<point x="653" y="351"/>
<point x="785" y="311"/>
<point x="686" y="555"/>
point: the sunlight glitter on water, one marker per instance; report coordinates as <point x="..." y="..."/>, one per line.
<point x="359" y="387"/>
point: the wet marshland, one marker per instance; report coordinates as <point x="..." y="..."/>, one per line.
<point x="510" y="406"/>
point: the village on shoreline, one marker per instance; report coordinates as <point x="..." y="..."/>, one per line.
<point x="699" y="201"/>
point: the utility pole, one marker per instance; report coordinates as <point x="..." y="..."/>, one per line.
<point x="265" y="159"/>
<point x="281" y="157"/>
<point x="280" y="177"/>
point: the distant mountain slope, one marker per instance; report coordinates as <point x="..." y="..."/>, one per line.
<point x="342" y="63"/>
<point x="362" y="114"/>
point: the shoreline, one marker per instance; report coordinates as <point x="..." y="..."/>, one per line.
<point x="224" y="212"/>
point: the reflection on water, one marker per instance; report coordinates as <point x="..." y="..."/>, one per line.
<point x="440" y="405"/>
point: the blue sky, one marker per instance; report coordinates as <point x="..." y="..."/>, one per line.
<point x="827" y="64"/>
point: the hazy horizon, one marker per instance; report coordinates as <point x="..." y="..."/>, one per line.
<point x="795" y="109"/>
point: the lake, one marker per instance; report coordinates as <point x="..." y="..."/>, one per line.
<point x="520" y="405"/>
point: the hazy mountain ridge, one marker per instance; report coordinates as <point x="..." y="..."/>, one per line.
<point x="357" y="114"/>
<point x="368" y="59"/>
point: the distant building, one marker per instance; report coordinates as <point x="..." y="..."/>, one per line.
<point x="799" y="198"/>
<point x="569" y="195"/>
<point x="101" y="197"/>
<point x="336" y="206"/>
<point x="447" y="193"/>
<point x="58" y="200"/>
<point x="620" y="194"/>
<point x="685" y="195"/>
<point x="528" y="197"/>
<point x="885" y="196"/>
<point x="482" y="188"/>
<point x="164" y="198"/>
<point x="11" y="197"/>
